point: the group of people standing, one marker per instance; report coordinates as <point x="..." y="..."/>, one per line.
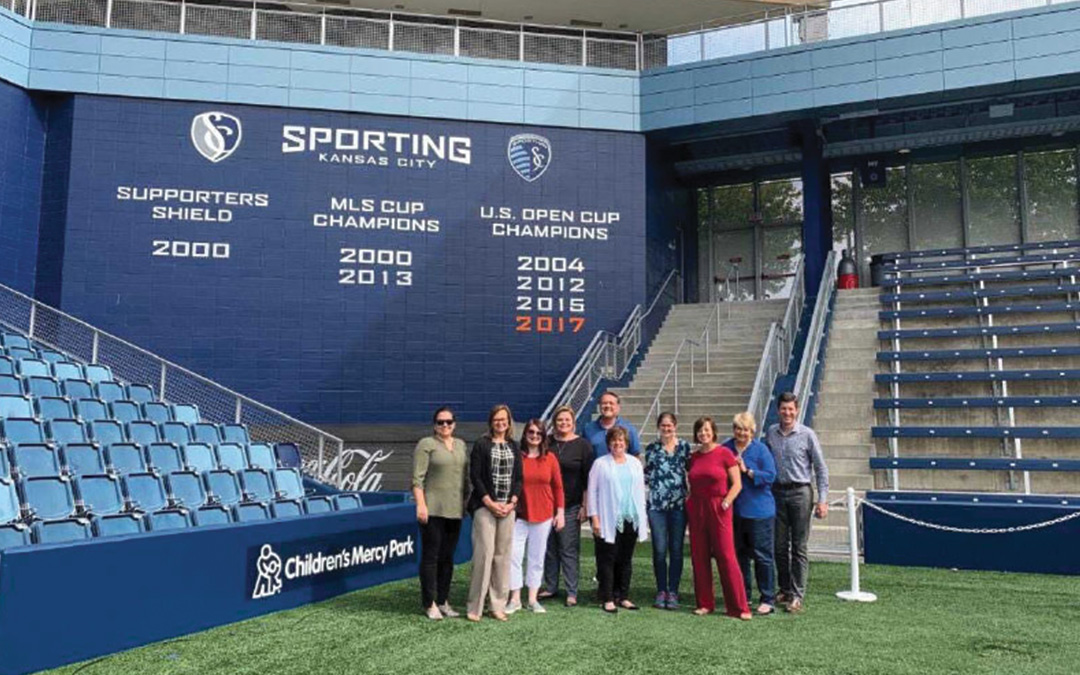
<point x="745" y="502"/>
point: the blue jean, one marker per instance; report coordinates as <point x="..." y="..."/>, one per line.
<point x="668" y="530"/>
<point x="754" y="541"/>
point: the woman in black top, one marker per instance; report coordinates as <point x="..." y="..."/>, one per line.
<point x="495" y="474"/>
<point x="564" y="547"/>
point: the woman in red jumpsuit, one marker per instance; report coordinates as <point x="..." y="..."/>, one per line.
<point x="714" y="483"/>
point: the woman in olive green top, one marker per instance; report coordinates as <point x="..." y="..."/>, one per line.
<point x="440" y="487"/>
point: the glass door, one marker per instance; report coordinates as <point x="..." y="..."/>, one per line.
<point x="733" y="265"/>
<point x="781" y="252"/>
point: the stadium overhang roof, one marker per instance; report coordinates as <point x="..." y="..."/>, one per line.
<point x="631" y="15"/>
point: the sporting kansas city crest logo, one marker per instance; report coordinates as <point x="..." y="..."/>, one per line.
<point x="216" y="135"/>
<point x="530" y="155"/>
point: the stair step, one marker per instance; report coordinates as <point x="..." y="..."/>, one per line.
<point x="863" y="451"/>
<point x="828" y="410"/>
<point x="830" y="399"/>
<point x="857" y="481"/>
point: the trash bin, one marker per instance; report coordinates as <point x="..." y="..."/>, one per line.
<point x="877" y="269"/>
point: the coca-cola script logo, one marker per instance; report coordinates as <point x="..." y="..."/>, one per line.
<point x="359" y="469"/>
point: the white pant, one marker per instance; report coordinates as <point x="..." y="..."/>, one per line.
<point x="535" y="536"/>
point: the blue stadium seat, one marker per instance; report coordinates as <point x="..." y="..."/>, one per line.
<point x="978" y="331"/>
<point x="101" y="494"/>
<point x="157" y="412"/>
<point x="22" y="430"/>
<point x="288" y="483"/>
<point x="16" y="405"/>
<point x="257" y="485"/>
<point x="41" y="385"/>
<point x="995" y="261"/>
<point x="231" y="456"/>
<point x="286" y="509"/>
<point x="979" y="402"/>
<point x="77" y="389"/>
<point x="318" y="504"/>
<point x="62" y="531"/>
<point x="175" y="432"/>
<point x="96" y="373"/>
<point x="35" y="460"/>
<point x="52" y="356"/>
<point x="970" y="251"/>
<point x="91" y="409"/>
<point x="55" y="407"/>
<point x="974" y="464"/>
<point x="288" y="455"/>
<point x="7" y="365"/>
<point x="251" y="512"/>
<point x="107" y="432"/>
<point x="5" y="465"/>
<point x="980" y="310"/>
<point x="223" y="485"/>
<point x="143" y="433"/>
<point x="146" y="492"/>
<point x="172" y="519"/>
<point x="235" y="433"/>
<point x="140" y="393"/>
<point x="968" y="295"/>
<point x="981" y="376"/>
<point x="10" y="340"/>
<point x="33" y="368"/>
<point x="347" y="501"/>
<point x="66" y="431"/>
<point x="125" y="411"/>
<point x="49" y="497"/>
<point x="20" y="353"/>
<point x="10" y="510"/>
<point x="964" y="354"/>
<point x="204" y="432"/>
<point x="126" y="458"/>
<point x="261" y="456"/>
<point x="110" y="391"/>
<point x="199" y="457"/>
<point x="187" y="489"/>
<point x="212" y="515"/>
<point x="186" y="413"/>
<point x="119" y="524"/>
<point x="66" y="370"/>
<point x="83" y="459"/>
<point x="164" y="457"/>
<point x="1048" y="433"/>
<point x="975" y="277"/>
<point x="14" y="534"/>
<point x="11" y="384"/>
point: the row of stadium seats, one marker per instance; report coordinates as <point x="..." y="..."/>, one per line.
<point x="983" y="362"/>
<point x="108" y="390"/>
<point x="27" y="364"/>
<point x="16" y="430"/>
<point x="92" y="409"/>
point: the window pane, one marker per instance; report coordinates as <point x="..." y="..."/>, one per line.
<point x="995" y="210"/>
<point x="780" y="256"/>
<point x="733" y="206"/>
<point x="843" y="213"/>
<point x="1051" y="195"/>
<point x="938" y="215"/>
<point x="884" y="214"/>
<point x="733" y="253"/>
<point x="781" y="201"/>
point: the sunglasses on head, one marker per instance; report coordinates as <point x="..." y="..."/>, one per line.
<point x="444" y="423"/>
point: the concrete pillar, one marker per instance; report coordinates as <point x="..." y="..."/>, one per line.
<point x="817" y="206"/>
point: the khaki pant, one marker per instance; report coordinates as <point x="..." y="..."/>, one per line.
<point x="492" y="541"/>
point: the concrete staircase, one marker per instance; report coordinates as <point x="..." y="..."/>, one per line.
<point x="722" y="390"/>
<point x="845" y="410"/>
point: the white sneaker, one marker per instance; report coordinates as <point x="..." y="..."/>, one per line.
<point x="448" y="611"/>
<point x="512" y="607"/>
<point x="537" y="608"/>
<point x="433" y="613"/>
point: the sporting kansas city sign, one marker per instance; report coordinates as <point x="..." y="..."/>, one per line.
<point x="216" y="135"/>
<point x="529" y="155"/>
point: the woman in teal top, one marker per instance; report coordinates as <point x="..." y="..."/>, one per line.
<point x="666" y="460"/>
<point x="439" y="486"/>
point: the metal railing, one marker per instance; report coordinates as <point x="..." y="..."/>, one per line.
<point x="609" y="355"/>
<point x="346" y="27"/>
<point x="170" y="382"/>
<point x="811" y="357"/>
<point x="806" y="24"/>
<point x="776" y="354"/>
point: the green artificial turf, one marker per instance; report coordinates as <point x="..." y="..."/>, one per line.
<point x="925" y="621"/>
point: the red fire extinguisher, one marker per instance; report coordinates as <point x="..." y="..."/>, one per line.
<point x="847" y="275"/>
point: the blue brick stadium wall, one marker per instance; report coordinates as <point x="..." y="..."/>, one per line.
<point x="469" y="322"/>
<point x="22" y="144"/>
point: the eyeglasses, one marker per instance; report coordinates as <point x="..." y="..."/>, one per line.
<point x="444" y="423"/>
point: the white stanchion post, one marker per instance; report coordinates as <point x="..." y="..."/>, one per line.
<point x="855" y="594"/>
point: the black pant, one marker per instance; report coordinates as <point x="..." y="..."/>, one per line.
<point x="615" y="563"/>
<point x="438" y="539"/>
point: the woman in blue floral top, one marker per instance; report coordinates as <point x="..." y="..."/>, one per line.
<point x="666" y="461"/>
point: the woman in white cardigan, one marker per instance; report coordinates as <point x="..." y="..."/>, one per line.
<point x="617" y="513"/>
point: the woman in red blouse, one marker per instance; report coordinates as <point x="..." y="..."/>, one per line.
<point x="540" y="508"/>
<point x="715" y="481"/>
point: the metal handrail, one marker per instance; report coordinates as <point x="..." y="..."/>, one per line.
<point x="35" y="316"/>
<point x="608" y="347"/>
<point x="805" y="379"/>
<point x="779" y="345"/>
